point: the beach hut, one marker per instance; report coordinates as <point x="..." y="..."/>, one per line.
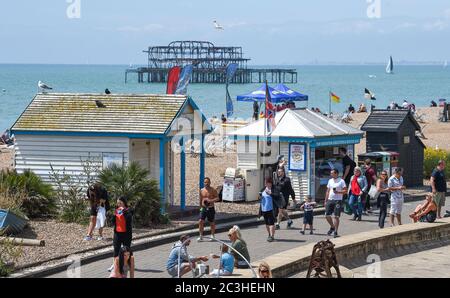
<point x="309" y="142"/>
<point x="396" y="130"/>
<point x="64" y="130"/>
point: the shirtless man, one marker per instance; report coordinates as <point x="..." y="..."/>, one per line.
<point x="208" y="196"/>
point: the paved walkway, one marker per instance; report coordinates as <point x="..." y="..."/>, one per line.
<point x="431" y="263"/>
<point x="151" y="262"/>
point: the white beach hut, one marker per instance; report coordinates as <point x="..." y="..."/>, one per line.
<point x="308" y="140"/>
<point x="63" y="130"/>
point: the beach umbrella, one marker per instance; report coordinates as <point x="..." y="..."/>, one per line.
<point x="294" y="95"/>
<point x="260" y="95"/>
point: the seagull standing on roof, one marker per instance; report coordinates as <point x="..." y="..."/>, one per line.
<point x="217" y="26"/>
<point x="42" y="86"/>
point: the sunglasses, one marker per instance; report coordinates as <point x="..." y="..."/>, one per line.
<point x="383" y="174"/>
<point x="264" y="271"/>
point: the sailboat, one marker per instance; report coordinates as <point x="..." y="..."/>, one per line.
<point x="445" y="64"/>
<point x="390" y="66"/>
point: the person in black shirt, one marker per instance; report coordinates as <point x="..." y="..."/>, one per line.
<point x="439" y="186"/>
<point x="348" y="165"/>
<point x="97" y="197"/>
<point x="283" y="183"/>
<point x="255" y="110"/>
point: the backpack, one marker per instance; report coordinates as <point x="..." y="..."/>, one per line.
<point x="121" y="223"/>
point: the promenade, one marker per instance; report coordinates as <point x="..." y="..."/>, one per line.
<point x="151" y="262"/>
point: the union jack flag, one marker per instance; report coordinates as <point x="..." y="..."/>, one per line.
<point x="270" y="112"/>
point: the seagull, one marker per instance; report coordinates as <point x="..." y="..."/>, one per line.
<point x="4" y="90"/>
<point x="107" y="91"/>
<point x="217" y="26"/>
<point x="99" y="104"/>
<point x="42" y="86"/>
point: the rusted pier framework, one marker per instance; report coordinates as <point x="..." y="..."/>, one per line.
<point x="209" y="63"/>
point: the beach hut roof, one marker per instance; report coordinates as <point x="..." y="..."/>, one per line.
<point x="388" y="120"/>
<point x="300" y="123"/>
<point x="105" y="113"/>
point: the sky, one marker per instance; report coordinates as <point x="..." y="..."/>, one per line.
<point x="283" y="32"/>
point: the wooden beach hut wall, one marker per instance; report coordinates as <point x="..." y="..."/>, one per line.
<point x="396" y="130"/>
<point x="301" y="135"/>
<point x="64" y="130"/>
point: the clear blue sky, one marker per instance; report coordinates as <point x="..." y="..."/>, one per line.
<point x="271" y="32"/>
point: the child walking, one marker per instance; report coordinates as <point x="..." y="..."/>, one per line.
<point x="308" y="207"/>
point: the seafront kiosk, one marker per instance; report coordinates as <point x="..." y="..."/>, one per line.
<point x="309" y="142"/>
<point x="65" y="129"/>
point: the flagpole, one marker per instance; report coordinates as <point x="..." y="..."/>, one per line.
<point x="329" y="109"/>
<point x="265" y="132"/>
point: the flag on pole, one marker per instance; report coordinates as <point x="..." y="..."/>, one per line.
<point x="368" y="94"/>
<point x="335" y="98"/>
<point x="230" y="72"/>
<point x="184" y="80"/>
<point x="269" y="112"/>
<point x="172" y="79"/>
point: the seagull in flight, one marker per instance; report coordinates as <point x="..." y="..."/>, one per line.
<point x="217" y="26"/>
<point x="42" y="86"/>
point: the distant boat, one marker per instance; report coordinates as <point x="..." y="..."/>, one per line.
<point x="445" y="64"/>
<point x="372" y="76"/>
<point x="390" y="66"/>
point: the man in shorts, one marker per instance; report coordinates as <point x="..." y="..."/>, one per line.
<point x="208" y="196"/>
<point x="395" y="184"/>
<point x="179" y="262"/>
<point x="336" y="188"/>
<point x="439" y="186"/>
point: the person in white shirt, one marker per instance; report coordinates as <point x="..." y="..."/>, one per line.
<point x="405" y="104"/>
<point x="336" y="188"/>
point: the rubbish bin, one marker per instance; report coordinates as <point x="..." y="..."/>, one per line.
<point x="233" y="187"/>
<point x="380" y="160"/>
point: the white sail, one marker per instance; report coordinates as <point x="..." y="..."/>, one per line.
<point x="390" y="66"/>
<point x="445" y="64"/>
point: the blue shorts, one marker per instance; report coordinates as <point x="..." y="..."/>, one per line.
<point x="308" y="218"/>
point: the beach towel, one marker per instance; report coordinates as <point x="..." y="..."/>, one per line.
<point x="101" y="218"/>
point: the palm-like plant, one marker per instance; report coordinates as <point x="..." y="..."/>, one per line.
<point x="133" y="183"/>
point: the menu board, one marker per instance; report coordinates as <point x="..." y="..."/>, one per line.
<point x="297" y="157"/>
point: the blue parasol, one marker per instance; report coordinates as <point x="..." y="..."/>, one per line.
<point x="294" y="95"/>
<point x="260" y="95"/>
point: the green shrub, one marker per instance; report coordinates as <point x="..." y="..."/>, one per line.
<point x="431" y="159"/>
<point x="71" y="197"/>
<point x="142" y="193"/>
<point x="37" y="198"/>
<point x="9" y="254"/>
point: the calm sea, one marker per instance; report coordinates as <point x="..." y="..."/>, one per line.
<point x="418" y="84"/>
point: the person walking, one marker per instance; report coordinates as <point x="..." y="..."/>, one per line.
<point x="383" y="197"/>
<point x="208" y="196"/>
<point x="123" y="225"/>
<point x="371" y="178"/>
<point x="336" y="188"/>
<point x="123" y="264"/>
<point x="98" y="198"/>
<point x="238" y="244"/>
<point x="348" y="165"/>
<point x="268" y="195"/>
<point x="284" y="187"/>
<point x="179" y="261"/>
<point x="358" y="186"/>
<point x="395" y="184"/>
<point x="439" y="186"/>
<point x="308" y="215"/>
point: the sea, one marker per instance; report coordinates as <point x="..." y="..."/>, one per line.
<point x="417" y="84"/>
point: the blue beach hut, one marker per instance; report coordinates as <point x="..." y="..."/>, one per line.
<point x="64" y="129"/>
